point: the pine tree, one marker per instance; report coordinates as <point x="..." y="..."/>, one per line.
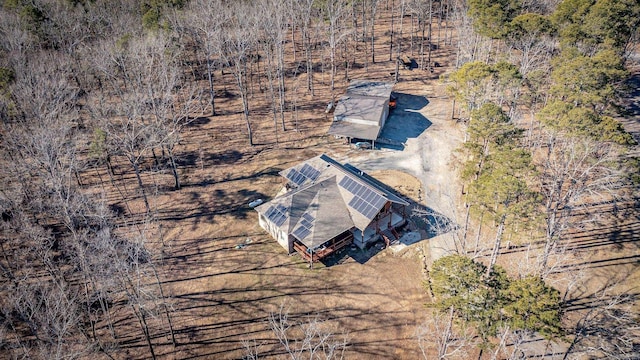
<point x="533" y="305"/>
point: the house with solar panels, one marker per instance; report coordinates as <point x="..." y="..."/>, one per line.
<point x="327" y="206"/>
<point x="362" y="112"/>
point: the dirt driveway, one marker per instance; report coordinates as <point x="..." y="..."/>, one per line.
<point x="423" y="141"/>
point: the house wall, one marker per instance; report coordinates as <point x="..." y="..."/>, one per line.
<point x="355" y="120"/>
<point x="385" y="114"/>
<point x="282" y="237"/>
<point x="370" y="236"/>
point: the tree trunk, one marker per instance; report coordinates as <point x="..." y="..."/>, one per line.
<point x="136" y="168"/>
<point x="245" y="112"/>
<point x="422" y="27"/>
<point x="142" y="319"/>
<point x="272" y="92"/>
<point x="411" y="36"/>
<point x="166" y="308"/>
<point x="496" y="245"/>
<point x="391" y="40"/>
<point x="475" y="250"/>
<point x="466" y="227"/>
<point x="309" y="65"/>
<point x="242" y="87"/>
<point x="429" y="34"/>
<point x="174" y="169"/>
<point x="442" y="351"/>
<point x="212" y="92"/>
<point x="281" y="85"/>
<point x="373" y="33"/>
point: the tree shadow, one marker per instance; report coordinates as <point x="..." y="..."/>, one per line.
<point x="198" y="121"/>
<point x="186" y="160"/>
<point x="430" y="221"/>
<point x="224" y="157"/>
<point x="235" y="204"/>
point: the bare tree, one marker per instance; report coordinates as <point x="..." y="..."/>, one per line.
<point x="336" y="12"/>
<point x="423" y="11"/>
<point x="608" y="330"/>
<point x="311" y="340"/>
<point x="575" y="172"/>
<point x="304" y="13"/>
<point x="511" y="344"/>
<point x="441" y="336"/>
<point x="205" y="20"/>
<point x="373" y="10"/>
<point x="273" y="27"/>
<point x="237" y="48"/>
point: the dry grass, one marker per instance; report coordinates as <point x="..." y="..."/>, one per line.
<point x="222" y="295"/>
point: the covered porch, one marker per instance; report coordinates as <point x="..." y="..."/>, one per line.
<point x="383" y="226"/>
<point x="322" y="251"/>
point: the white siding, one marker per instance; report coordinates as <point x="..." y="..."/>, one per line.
<point x="279" y="235"/>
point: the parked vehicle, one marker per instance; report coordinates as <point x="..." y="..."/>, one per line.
<point x="363" y="145"/>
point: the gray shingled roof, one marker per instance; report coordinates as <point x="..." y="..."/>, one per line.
<point x="360" y="109"/>
<point x="370" y="88"/>
<point x="322" y="205"/>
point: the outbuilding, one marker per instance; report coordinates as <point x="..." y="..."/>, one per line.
<point x="362" y="112"/>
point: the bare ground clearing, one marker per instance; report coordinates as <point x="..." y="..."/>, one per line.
<point x="222" y="295"/>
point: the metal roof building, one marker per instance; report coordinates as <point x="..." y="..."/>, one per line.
<point x="362" y="112"/>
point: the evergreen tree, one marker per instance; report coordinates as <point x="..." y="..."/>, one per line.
<point x="533" y="305"/>
<point x="460" y="282"/>
<point x="491" y="17"/>
<point x="490" y="301"/>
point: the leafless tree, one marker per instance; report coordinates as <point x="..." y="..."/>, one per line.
<point x="272" y="26"/>
<point x="574" y="173"/>
<point x="206" y="21"/>
<point x="608" y="329"/>
<point x="311" y="340"/>
<point x="373" y="10"/>
<point x="146" y="104"/>
<point x="336" y="12"/>
<point x="469" y="46"/>
<point x="441" y="336"/>
<point x="510" y="346"/>
<point x="237" y="48"/>
<point x="423" y="11"/>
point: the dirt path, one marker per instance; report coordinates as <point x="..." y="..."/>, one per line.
<point x="422" y="123"/>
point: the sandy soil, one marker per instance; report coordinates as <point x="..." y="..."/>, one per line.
<point x="222" y="296"/>
<point x="422" y="122"/>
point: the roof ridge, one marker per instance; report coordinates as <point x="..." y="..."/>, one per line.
<point x="364" y="178"/>
<point x="359" y="177"/>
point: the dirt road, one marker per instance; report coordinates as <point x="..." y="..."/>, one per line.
<point x="422" y="124"/>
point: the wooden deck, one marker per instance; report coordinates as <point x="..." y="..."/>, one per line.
<point x="330" y="247"/>
<point x="390" y="235"/>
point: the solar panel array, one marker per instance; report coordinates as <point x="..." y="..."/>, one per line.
<point x="306" y="172"/>
<point x="365" y="201"/>
<point x="310" y="172"/>
<point x="306" y="224"/>
<point x="277" y="214"/>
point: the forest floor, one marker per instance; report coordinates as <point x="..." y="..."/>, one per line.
<point x="225" y="275"/>
<point x="222" y="295"/>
